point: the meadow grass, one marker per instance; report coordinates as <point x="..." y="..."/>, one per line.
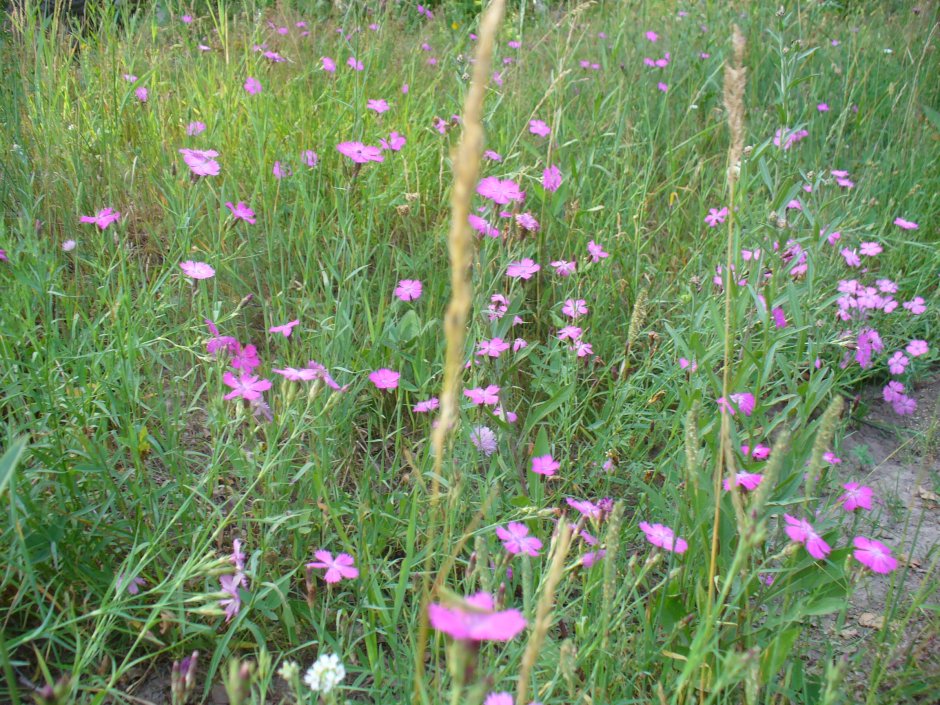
<point x="146" y="517"/>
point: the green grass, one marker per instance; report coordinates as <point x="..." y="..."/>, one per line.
<point x="134" y="465"/>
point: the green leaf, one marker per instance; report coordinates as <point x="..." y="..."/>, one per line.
<point x="9" y="461"/>
<point x="776" y="653"/>
<point x="540" y="411"/>
<point x="933" y="117"/>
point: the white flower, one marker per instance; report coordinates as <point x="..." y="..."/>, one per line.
<point x="325" y="674"/>
<point x="289" y="670"/>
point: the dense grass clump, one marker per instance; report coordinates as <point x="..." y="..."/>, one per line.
<point x="673" y="245"/>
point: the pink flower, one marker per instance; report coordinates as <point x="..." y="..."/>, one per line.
<point x="897" y="363"/>
<point x="328" y="64"/>
<point x="716" y="217"/>
<point x="904" y="405"/>
<point x="500" y="191"/>
<point x="801" y="531"/>
<point x="142" y="94"/>
<point x="523" y="269"/>
<point x="197" y="270"/>
<point x="310" y="158"/>
<point x="916" y="348"/>
<point x="582" y="348"/>
<point x="281" y="170"/>
<point x="663" y="87"/>
<point x="664" y="537"/>
<point x="527" y="221"/>
<point x="545" y="465"/>
<point x="186" y="19"/>
<point x="596" y="252"/>
<point x="360" y="153"/>
<point x="564" y="268"/>
<point x="823" y="108"/>
<point x="293" y="374"/>
<point x="874" y="555"/>
<point x="870" y="249"/>
<point x="574" y="308"/>
<point x="408" y="289"/>
<point x="480" y="396"/>
<point x="423" y="407"/>
<point x="248" y="387"/>
<point x="336" y="568"/>
<point x="245" y="358"/>
<point x="856" y="496"/>
<point x="851" y="257"/>
<point x="652" y="36"/>
<point x="892" y="391"/>
<point x="516" y="539"/>
<point x="241" y="212"/>
<point x="195" y="128"/>
<point x="507" y="416"/>
<point x="477" y="621"/>
<point x="252" y="86"/>
<point x="538" y="127"/>
<point x="585" y="507"/>
<point x="831" y="458"/>
<point x="569" y="333"/>
<point x="395" y="142"/>
<point x="915" y="305"/>
<point x="67" y="246"/>
<point x="780" y="318"/>
<point x="354" y="63"/>
<point x="492" y="156"/>
<point x="743" y="402"/>
<point x="492" y="348"/>
<point x="285" y="329"/>
<point x="384" y="378"/>
<point x="201" y="161"/>
<point x="906" y="224"/>
<point x="749" y="481"/>
<point x="501" y="698"/>
<point x="379" y="105"/>
<point x="102" y="218"/>
<point x="551" y="178"/>
<point x="690" y="365"/>
<point x="481" y="226"/>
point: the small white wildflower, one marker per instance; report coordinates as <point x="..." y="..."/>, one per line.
<point x="325" y="673"/>
<point x="889" y="51"/>
<point x="68" y="245"/>
<point x="289" y="670"/>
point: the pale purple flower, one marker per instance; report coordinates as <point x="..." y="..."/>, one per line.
<point x="201" y="161"/>
<point x="197" y="270"/>
<point x="551" y="178"/>
<point x="906" y="224"/>
<point x="569" y="333"/>
<point x="195" y="128"/>
<point x="564" y="268"/>
<point x="916" y="348"/>
<point x="353" y="63"/>
<point x="870" y="249"/>
<point x="715" y="217"/>
<point x="483" y="396"/>
<point x="379" y="105"/>
<point x="252" y="86"/>
<point x="285" y="329"/>
<point x="596" y="252"/>
<point x="574" y="308"/>
<point x="310" y="158"/>
<point x="897" y="363"/>
<point x="423" y="407"/>
<point x="68" y="245"/>
<point x="538" y="127"/>
<point x="328" y="64"/>
<point x="394" y="143"/>
<point x="915" y="305"/>
<point x="343" y="566"/>
<point x="523" y="269"/>
<point x="142" y="94"/>
<point x="484" y="440"/>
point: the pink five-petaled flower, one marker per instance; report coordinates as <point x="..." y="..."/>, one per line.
<point x="102" y="218"/>
<point x="874" y="555"/>
<point x="384" y="378"/>
<point x="743" y="402"/>
<point x="293" y="374"/>
<point x="523" y="269"/>
<point x="570" y="333"/>
<point x="353" y="63"/>
<point x="870" y="249"/>
<point x="395" y="142"/>
<point x="241" y="212"/>
<point x="492" y="348"/>
<point x="596" y="252"/>
<point x="197" y="270"/>
<point x="664" y="537"/>
<point x="480" y="396"/>
<point x="652" y="36"/>
<point x="477" y="621"/>
<point x="748" y="480"/>
<point x="538" y="127"/>
<point x="915" y="305"/>
<point x="252" y="86"/>
<point x="516" y="539"/>
<point x="379" y="105"/>
<point x="897" y="363"/>
<point x="336" y="568"/>
<point x="327" y="64"/>
<point x="246" y="386"/>
<point x="563" y="268"/>
<point x="916" y="348"/>
<point x="245" y="358"/>
<point x="500" y="191"/>
<point x="586" y="508"/>
<point x="201" y="161"/>
<point x="545" y="465"/>
<point x="551" y="178"/>
<point x="856" y="496"/>
<point x="500" y="698"/>
<point x="423" y="407"/>
<point x="801" y="531"/>
<point x="906" y="224"/>
<point x="574" y="308"/>
<point x="360" y="153"/>
<point x="408" y="289"/>
<point x="716" y="217"/>
<point x="285" y="329"/>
